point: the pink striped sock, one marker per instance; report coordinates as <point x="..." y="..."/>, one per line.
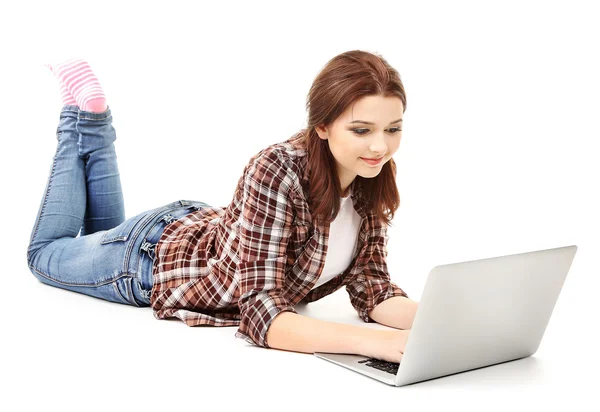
<point x="77" y="78"/>
<point x="67" y="98"/>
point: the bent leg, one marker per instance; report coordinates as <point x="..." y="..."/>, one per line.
<point x="85" y="143"/>
<point x="62" y="207"/>
<point x="87" y="265"/>
<point x="83" y="191"/>
<point x="105" y="206"/>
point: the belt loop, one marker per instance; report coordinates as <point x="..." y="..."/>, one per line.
<point x="149" y="248"/>
<point x="168" y="218"/>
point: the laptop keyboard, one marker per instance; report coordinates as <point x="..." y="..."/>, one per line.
<point x="390" y="367"/>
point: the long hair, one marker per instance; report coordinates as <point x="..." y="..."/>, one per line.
<point x="345" y="79"/>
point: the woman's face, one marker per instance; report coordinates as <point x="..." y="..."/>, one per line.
<point x="370" y="128"/>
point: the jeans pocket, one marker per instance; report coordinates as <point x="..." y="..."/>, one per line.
<point x="121" y="232"/>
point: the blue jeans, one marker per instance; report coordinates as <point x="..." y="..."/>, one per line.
<point x="81" y="240"/>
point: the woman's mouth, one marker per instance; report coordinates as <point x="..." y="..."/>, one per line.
<point x="372" y="162"/>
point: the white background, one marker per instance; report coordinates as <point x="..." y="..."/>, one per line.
<point x="498" y="156"/>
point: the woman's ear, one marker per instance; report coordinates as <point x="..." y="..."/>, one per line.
<point x="322" y="132"/>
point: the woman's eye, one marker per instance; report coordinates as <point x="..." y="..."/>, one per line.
<point x="364" y="131"/>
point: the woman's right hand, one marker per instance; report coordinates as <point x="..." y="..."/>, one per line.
<point x="387" y="345"/>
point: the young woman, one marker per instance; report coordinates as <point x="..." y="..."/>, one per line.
<point x="308" y="216"/>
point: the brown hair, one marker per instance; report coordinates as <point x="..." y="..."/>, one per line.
<point x="345" y="79"/>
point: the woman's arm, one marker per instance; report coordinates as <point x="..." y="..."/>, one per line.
<point x="294" y="332"/>
<point x="398" y="312"/>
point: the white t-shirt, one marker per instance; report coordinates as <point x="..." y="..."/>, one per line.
<point x="343" y="234"/>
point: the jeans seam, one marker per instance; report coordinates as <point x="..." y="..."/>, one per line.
<point x="43" y="209"/>
<point x="130" y="291"/>
<point x="116" y="287"/>
<point x="85" y="115"/>
<point x="138" y="277"/>
<point x="85" y="285"/>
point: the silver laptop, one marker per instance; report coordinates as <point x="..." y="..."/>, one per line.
<point x="474" y="314"/>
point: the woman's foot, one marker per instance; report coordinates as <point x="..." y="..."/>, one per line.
<point x="65" y="95"/>
<point x="79" y="85"/>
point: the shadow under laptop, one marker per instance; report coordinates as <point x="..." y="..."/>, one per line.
<point x="527" y="371"/>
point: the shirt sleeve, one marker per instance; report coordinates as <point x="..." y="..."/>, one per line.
<point x="373" y="285"/>
<point x="265" y="224"/>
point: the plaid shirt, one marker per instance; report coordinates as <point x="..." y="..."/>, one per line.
<point x="260" y="256"/>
